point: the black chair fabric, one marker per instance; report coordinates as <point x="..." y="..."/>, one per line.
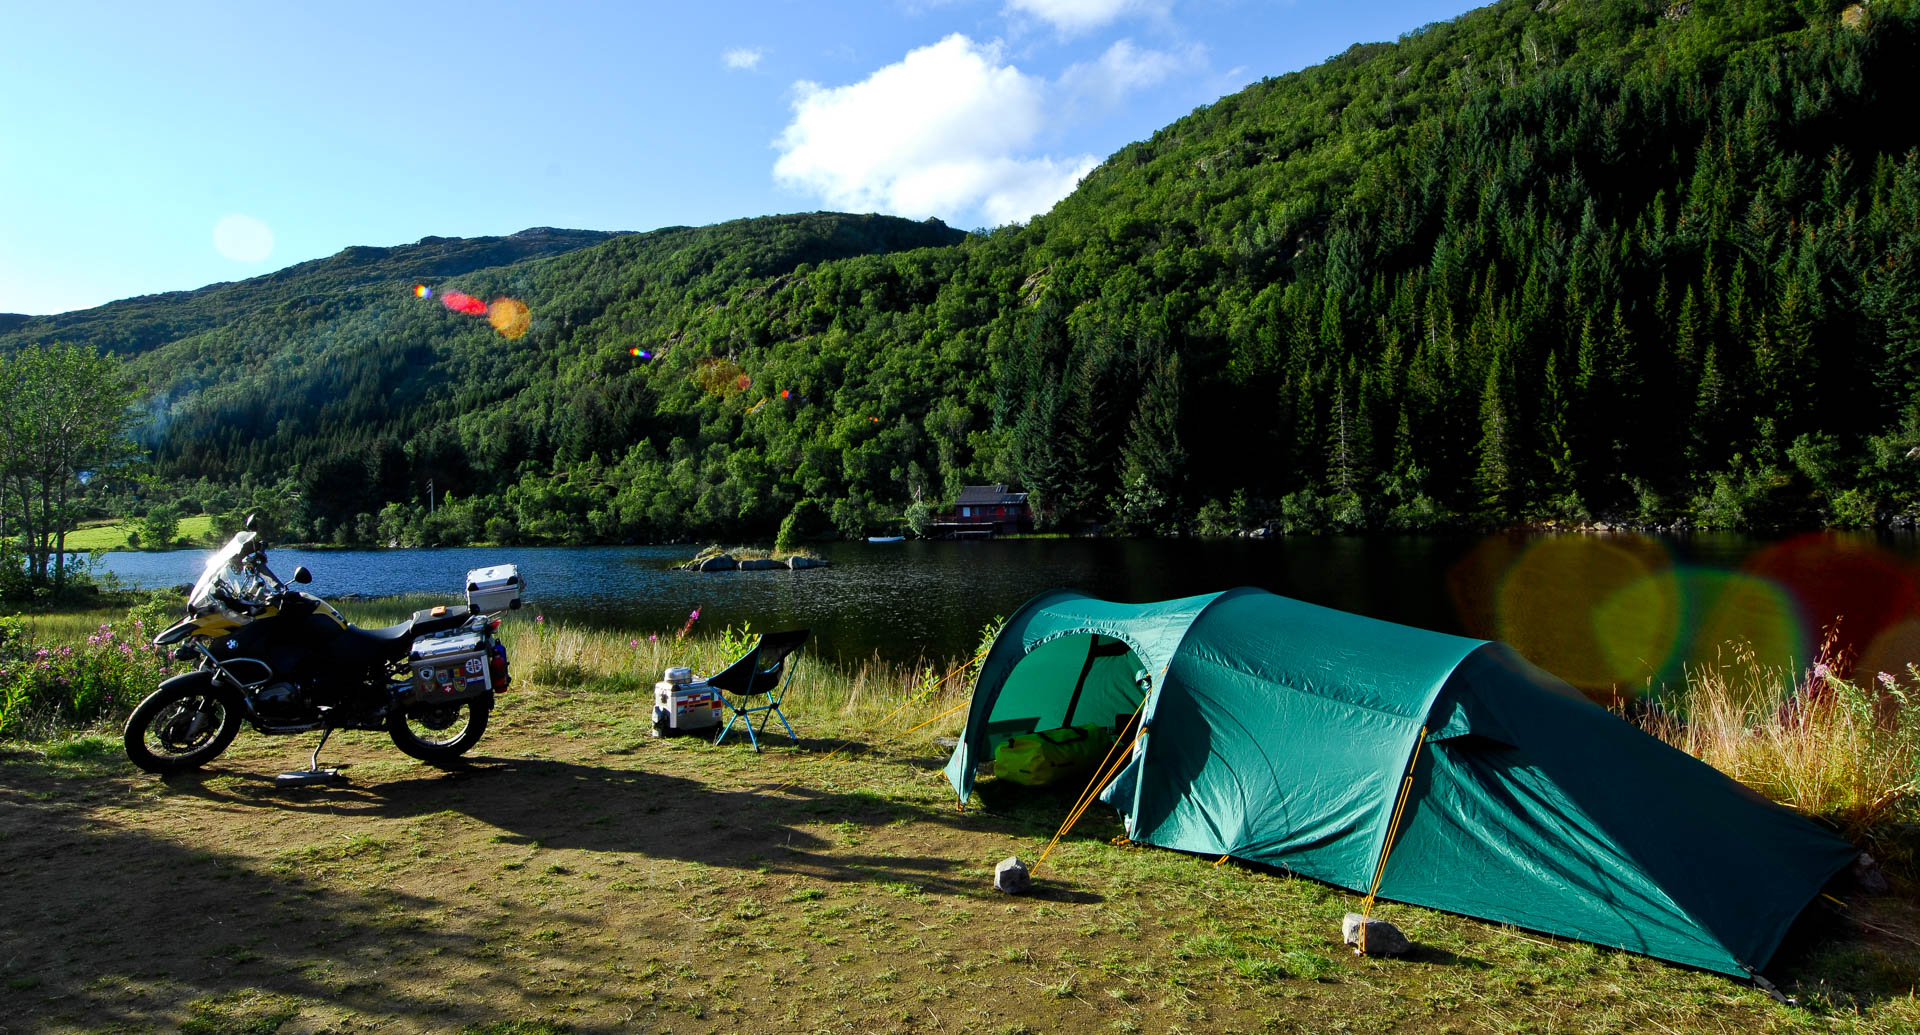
<point x="758" y="671"/>
<point x="758" y="675"/>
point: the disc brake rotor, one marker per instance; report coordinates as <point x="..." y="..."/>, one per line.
<point x="439" y="718"/>
<point x="184" y="728"/>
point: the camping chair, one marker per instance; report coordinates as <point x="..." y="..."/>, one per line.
<point x="757" y="674"/>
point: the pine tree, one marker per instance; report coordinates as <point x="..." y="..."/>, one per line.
<point x="1495" y="478"/>
<point x="1153" y="464"/>
<point x="1349" y="437"/>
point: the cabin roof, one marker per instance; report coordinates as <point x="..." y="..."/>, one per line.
<point x="988" y="495"/>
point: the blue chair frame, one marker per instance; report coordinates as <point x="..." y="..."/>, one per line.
<point x="758" y="673"/>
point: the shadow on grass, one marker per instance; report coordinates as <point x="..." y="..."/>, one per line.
<point x="113" y="926"/>
<point x="568" y="805"/>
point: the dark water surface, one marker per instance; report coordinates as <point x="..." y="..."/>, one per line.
<point x="1604" y="603"/>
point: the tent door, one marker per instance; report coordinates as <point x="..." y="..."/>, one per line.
<point x="1095" y="651"/>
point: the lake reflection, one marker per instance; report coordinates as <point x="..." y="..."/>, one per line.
<point x="1600" y="610"/>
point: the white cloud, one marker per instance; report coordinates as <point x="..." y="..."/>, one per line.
<point x="1074" y="16"/>
<point x="743" y="57"/>
<point x="943" y="131"/>
<point x="1125" y="68"/>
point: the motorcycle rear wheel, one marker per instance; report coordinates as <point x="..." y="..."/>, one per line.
<point x="439" y="734"/>
<point x="181" y="727"/>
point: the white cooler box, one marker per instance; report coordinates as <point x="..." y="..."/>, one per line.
<point x="494" y="589"/>
<point x="684" y="707"/>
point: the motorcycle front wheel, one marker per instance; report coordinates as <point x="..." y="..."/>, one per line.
<point x="181" y="727"/>
<point x="438" y="734"/>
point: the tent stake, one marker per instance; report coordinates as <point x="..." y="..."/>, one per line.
<point x="1760" y="981"/>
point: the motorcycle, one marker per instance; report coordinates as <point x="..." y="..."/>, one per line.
<point x="285" y="662"/>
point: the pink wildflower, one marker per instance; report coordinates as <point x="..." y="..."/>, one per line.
<point x="653" y="637"/>
<point x="635" y="642"/>
<point x="1821" y="671"/>
<point x="541" y="619"/>
<point x="1886" y="680"/>
<point x="695" y="616"/>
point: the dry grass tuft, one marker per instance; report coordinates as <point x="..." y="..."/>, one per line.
<point x="1844" y="750"/>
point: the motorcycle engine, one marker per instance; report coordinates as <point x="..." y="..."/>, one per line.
<point x="285" y="702"/>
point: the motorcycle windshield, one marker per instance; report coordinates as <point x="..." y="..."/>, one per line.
<point x="228" y="581"/>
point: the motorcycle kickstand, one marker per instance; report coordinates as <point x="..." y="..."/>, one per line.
<point x="313" y="774"/>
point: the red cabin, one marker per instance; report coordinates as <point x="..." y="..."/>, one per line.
<point x="984" y="510"/>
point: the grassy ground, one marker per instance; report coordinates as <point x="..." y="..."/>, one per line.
<point x="101" y="536"/>
<point x="581" y="876"/>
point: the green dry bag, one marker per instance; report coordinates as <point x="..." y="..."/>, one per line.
<point x="1038" y="759"/>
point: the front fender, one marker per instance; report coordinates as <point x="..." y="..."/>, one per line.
<point x="176" y="632"/>
<point x="201" y="678"/>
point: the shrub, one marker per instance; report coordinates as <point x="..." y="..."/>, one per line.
<point x="46" y="688"/>
<point x="803" y="522"/>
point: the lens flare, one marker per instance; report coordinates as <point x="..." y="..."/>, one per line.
<point x="639" y="353"/>
<point x="460" y="302"/>
<point x="422" y="291"/>
<point x="1893" y="649"/>
<point x="785" y="394"/>
<point x="1595" y="612"/>
<point x="1616" y="615"/>
<point x="1733" y="608"/>
<point x="510" y="317"/>
<point x="1843" y="578"/>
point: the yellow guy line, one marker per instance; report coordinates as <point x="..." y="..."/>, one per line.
<point x="1386" y="849"/>
<point x="1102" y="773"/>
<point x="1086" y="794"/>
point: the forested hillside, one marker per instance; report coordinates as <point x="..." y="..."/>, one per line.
<point x="1606" y="260"/>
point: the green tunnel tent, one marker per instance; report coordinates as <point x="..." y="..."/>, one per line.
<point x="1279" y="732"/>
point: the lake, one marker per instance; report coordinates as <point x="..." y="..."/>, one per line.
<point x="1599" y="610"/>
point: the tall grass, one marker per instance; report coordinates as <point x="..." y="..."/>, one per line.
<point x="870" y="699"/>
<point x="1846" y="751"/>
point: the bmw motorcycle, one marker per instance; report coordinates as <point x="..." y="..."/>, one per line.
<point x="285" y="662"/>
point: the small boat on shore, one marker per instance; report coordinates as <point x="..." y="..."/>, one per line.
<point x="886" y="539"/>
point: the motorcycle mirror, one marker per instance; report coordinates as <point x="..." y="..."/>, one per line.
<point x="302" y="576"/>
<point x="252" y="520"/>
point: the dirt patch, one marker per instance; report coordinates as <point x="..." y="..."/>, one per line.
<point x="581" y="877"/>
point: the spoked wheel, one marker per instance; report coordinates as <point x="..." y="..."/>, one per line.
<point x="438" y="734"/>
<point x="181" y="727"/>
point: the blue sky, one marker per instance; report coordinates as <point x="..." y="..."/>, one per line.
<point x="158" y="147"/>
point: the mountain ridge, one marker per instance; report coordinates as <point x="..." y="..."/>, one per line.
<point x="1594" y="262"/>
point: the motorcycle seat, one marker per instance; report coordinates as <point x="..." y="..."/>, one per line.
<point x="359" y="646"/>
<point x="386" y="633"/>
<point x="426" y="623"/>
